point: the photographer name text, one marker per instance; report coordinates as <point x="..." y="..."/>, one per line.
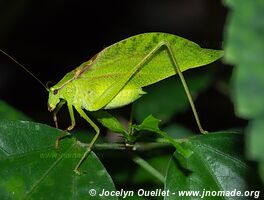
<point x="130" y="193"/>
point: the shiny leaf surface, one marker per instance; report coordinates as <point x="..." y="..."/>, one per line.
<point x="32" y="169"/>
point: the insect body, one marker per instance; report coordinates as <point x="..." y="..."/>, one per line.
<point x="116" y="75"/>
<point x="83" y="91"/>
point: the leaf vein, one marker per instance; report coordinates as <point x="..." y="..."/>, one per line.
<point x="237" y="161"/>
<point x="46" y="174"/>
<point x="4" y="151"/>
<point x="204" y="162"/>
<point x="74" y="187"/>
<point x="24" y="154"/>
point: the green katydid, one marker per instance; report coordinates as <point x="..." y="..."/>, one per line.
<point x="115" y="76"/>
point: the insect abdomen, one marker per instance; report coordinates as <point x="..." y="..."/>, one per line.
<point x="126" y="96"/>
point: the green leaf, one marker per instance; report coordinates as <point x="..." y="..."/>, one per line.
<point x="149" y="168"/>
<point x="160" y="163"/>
<point x="10" y="113"/>
<point x="246" y="45"/>
<point x="255" y="139"/>
<point x="261" y="169"/>
<point x="244" y="48"/>
<point x="32" y="169"/>
<point x="215" y="165"/>
<point x="151" y="124"/>
<point x="109" y="121"/>
<point x="248" y="83"/>
<point x="168" y="98"/>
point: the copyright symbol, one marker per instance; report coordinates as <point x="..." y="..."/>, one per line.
<point x="92" y="192"/>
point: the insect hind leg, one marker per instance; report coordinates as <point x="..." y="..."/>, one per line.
<point x="186" y="89"/>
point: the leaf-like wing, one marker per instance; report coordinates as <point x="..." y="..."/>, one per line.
<point x="120" y="58"/>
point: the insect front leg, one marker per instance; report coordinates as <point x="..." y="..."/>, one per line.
<point x="62" y="102"/>
<point x="65" y="133"/>
<point x="89" y="148"/>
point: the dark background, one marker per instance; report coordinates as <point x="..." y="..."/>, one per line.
<point x="53" y="37"/>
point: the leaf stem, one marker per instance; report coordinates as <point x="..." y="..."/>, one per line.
<point x="140" y="146"/>
<point x="145" y="165"/>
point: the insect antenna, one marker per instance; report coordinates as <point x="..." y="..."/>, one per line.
<point x="19" y="64"/>
<point x="49" y="84"/>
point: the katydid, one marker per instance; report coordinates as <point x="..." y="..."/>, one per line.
<point x="115" y="76"/>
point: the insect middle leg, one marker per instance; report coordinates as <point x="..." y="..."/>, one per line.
<point x="89" y="148"/>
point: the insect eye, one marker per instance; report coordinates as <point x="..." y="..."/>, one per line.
<point x="55" y="91"/>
